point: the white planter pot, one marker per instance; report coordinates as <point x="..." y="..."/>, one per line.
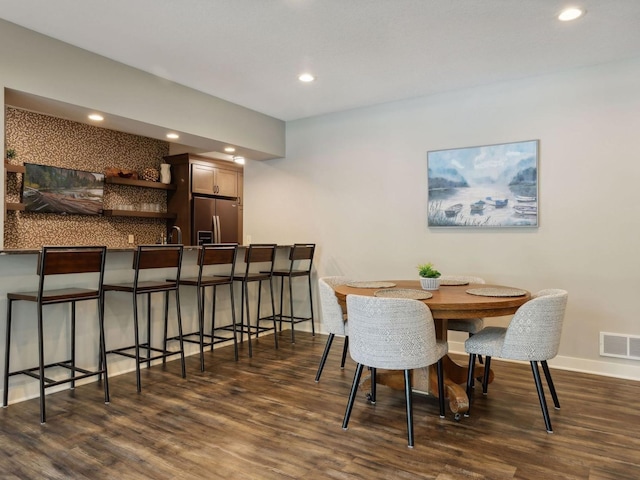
<point x="430" y="283"/>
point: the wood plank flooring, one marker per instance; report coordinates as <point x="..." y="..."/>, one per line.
<point x="266" y="418"/>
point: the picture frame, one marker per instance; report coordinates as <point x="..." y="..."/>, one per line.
<point x="489" y="186"/>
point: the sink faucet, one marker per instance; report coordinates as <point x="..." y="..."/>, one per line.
<point x="177" y="229"/>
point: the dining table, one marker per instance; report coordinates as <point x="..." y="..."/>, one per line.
<point x="456" y="300"/>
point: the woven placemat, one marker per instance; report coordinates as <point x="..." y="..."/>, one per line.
<point x="403" y="293"/>
<point x="371" y="284"/>
<point x="497" y="292"/>
<point x="452" y="283"/>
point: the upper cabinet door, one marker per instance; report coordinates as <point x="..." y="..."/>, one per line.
<point x="226" y="183"/>
<point x="203" y="179"/>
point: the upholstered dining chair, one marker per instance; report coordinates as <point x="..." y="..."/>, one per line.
<point x="394" y="334"/>
<point x="533" y="335"/>
<point x="469" y="325"/>
<point x="333" y="318"/>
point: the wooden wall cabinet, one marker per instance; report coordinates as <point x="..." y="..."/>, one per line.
<point x="211" y="180"/>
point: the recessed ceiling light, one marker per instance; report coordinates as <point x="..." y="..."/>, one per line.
<point x="229" y="149"/>
<point x="571" y="13"/>
<point x="239" y="160"/>
<point x="173" y="136"/>
<point x="96" y="117"/>
<point x="306" y="77"/>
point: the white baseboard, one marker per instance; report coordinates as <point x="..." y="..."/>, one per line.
<point x="594" y="367"/>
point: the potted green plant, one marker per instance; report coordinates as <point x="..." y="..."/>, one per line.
<point x="429" y="276"/>
<point x="11" y="154"/>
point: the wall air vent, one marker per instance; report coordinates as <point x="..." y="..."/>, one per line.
<point x="620" y="346"/>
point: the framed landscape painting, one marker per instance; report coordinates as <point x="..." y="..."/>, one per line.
<point x="487" y="186"/>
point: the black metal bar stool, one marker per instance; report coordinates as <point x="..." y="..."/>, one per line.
<point x="301" y="259"/>
<point x="149" y="257"/>
<point x="261" y="254"/>
<point x="54" y="261"/>
<point x="211" y="255"/>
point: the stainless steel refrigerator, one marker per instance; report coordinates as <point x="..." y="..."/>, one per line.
<point x="215" y="220"/>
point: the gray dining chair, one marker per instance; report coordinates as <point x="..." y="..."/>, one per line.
<point x="394" y="334"/>
<point x="333" y="318"/>
<point x="533" y="335"/>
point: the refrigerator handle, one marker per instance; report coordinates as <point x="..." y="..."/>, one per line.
<point x="215" y="225"/>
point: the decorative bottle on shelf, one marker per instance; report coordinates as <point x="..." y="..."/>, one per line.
<point x="165" y="173"/>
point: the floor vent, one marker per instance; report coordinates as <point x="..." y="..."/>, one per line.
<point x="620" y="346"/>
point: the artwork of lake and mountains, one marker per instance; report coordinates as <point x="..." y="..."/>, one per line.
<point x="488" y="186"/>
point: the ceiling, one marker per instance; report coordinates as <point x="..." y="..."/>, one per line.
<point x="363" y="52"/>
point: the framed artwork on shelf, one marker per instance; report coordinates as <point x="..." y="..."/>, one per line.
<point x="486" y="186"/>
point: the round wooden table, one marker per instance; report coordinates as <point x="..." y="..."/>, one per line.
<point x="449" y="302"/>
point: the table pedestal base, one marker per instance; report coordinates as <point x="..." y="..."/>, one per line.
<point x="425" y="381"/>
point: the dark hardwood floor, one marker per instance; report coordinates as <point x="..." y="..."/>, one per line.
<point x="266" y="418"/>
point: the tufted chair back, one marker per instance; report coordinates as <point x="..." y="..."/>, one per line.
<point x="534" y="331"/>
<point x="333" y="317"/>
<point x="392" y="333"/>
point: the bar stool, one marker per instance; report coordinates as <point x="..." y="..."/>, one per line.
<point x="212" y="255"/>
<point x="62" y="261"/>
<point x="301" y="259"/>
<point x="257" y="253"/>
<point x="148" y="257"/>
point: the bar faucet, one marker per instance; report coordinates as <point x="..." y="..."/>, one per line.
<point x="177" y="229"/>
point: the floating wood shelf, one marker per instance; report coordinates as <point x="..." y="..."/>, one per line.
<point x="16" y="207"/>
<point x="139" y="183"/>
<point x="136" y="213"/>
<point x="10" y="167"/>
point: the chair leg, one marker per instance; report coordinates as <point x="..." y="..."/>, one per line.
<point x="245" y="298"/>
<point x="485" y="378"/>
<point x="313" y="328"/>
<point x="543" y="401"/>
<point x="213" y="312"/>
<point x="552" y="388"/>
<point x="233" y="320"/>
<point x="137" y="341"/>
<point x="200" y="299"/>
<point x="470" y="372"/>
<point x="165" y="330"/>
<point x="7" y="348"/>
<point x="281" y="300"/>
<point x="258" y="313"/>
<point x="103" y="350"/>
<point x="149" y="327"/>
<point x="43" y="417"/>
<point x="273" y="313"/>
<point x="327" y="347"/>
<point x="345" y="349"/>
<point x="407" y="394"/>
<point x="352" y="395"/>
<point x="440" y="370"/>
<point x="72" y="371"/>
<point x="180" y="341"/>
<point x="372" y="395"/>
<point x="293" y="338"/>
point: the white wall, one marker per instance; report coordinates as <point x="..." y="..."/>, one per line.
<point x="355" y="183"/>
